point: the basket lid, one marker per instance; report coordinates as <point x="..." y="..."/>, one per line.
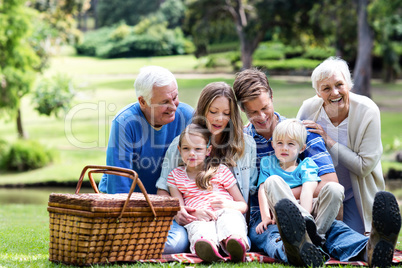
<point x="111" y="202"/>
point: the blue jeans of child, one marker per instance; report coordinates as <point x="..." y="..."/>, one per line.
<point x="177" y="240"/>
<point x="342" y="242"/>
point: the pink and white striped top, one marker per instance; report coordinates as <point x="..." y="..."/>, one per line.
<point x="197" y="198"/>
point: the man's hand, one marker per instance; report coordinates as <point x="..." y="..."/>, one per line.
<point x="183" y="217"/>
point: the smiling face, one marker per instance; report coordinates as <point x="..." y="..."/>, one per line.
<point x="193" y="150"/>
<point x="335" y="93"/>
<point x="260" y="112"/>
<point x="287" y="151"/>
<point x="162" y="107"/>
<point x="218" y="115"/>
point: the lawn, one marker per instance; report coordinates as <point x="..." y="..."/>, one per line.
<point x="24" y="243"/>
<point x="80" y="137"/>
<point x="105" y="86"/>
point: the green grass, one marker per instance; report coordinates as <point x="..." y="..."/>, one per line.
<point x="24" y="233"/>
<point x="105" y="86"/>
<point x="80" y="137"/>
<point x="91" y="66"/>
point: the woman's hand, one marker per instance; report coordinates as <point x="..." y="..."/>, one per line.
<point x="316" y="128"/>
<point x="262" y="226"/>
<point x="204" y="215"/>
<point x="183" y="216"/>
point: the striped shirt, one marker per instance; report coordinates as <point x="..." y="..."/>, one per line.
<point x="315" y="149"/>
<point x="197" y="198"/>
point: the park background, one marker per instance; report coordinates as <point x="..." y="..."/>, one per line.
<point x="68" y="66"/>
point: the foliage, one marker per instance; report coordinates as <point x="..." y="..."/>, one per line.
<point x="26" y="155"/>
<point x="53" y="94"/>
<point x="43" y="41"/>
<point x="17" y="58"/>
<point x="270" y="51"/>
<point x="252" y="20"/>
<point x="131" y="12"/>
<point x="172" y="11"/>
<point x="150" y="37"/>
<point x="294" y="64"/>
<point x="58" y="16"/>
<point x="386" y="20"/>
<point x="3" y="152"/>
<point x="223" y="47"/>
<point x="318" y="53"/>
<point x="333" y="24"/>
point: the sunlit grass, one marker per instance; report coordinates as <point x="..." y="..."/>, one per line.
<point x="105" y="86"/>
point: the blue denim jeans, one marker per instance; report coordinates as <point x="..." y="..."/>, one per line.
<point x="269" y="241"/>
<point x="177" y="240"/>
<point x="342" y="242"/>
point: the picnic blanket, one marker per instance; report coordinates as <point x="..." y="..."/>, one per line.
<point x="259" y="257"/>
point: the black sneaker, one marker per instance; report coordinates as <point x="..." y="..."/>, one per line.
<point x="384" y="231"/>
<point x="311" y="229"/>
<point x="292" y="228"/>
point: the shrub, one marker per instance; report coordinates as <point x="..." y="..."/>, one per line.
<point x="288" y="64"/>
<point x="53" y="94"/>
<point x="25" y="155"/>
<point x="150" y="37"/>
<point x="3" y="152"/>
<point x="269" y="51"/>
<point x="317" y="53"/>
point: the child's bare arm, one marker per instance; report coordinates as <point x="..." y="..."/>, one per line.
<point x="264" y="210"/>
<point x="183" y="217"/>
<point x="306" y="195"/>
<point x="239" y="204"/>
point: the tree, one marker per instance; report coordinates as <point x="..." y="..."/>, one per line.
<point x="334" y="23"/>
<point x="17" y="58"/>
<point x="386" y="19"/>
<point x="54" y="26"/>
<point x="362" y="71"/>
<point x="131" y="12"/>
<point x="251" y="19"/>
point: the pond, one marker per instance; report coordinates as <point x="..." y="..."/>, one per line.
<point x="30" y="195"/>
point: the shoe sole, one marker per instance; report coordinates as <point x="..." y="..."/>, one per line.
<point x="292" y="228"/>
<point x="387" y="223"/>
<point x="206" y="252"/>
<point x="383" y="254"/>
<point x="236" y="250"/>
<point x="311" y="229"/>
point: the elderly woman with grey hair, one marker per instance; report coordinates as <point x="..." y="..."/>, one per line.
<point x="351" y="128"/>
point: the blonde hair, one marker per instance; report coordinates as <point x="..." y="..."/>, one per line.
<point x="203" y="178"/>
<point x="232" y="145"/>
<point x="291" y="128"/>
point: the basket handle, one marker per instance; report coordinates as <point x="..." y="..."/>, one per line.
<point x="125" y="172"/>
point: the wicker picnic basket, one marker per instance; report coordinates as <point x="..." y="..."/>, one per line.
<point x="97" y="228"/>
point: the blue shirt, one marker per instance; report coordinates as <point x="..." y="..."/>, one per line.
<point x="306" y="171"/>
<point x="315" y="149"/>
<point x="135" y="144"/>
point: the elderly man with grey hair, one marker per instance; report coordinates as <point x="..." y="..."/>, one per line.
<point x="140" y="135"/>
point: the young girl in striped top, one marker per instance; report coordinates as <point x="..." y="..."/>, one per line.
<point x="197" y="183"/>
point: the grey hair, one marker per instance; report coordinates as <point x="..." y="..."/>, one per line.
<point x="149" y="77"/>
<point x="328" y="68"/>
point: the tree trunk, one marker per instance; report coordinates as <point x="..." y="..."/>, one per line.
<point x="362" y="71"/>
<point x="20" y="129"/>
<point x="246" y="54"/>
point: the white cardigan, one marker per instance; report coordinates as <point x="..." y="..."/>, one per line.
<point x="245" y="171"/>
<point x="362" y="156"/>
